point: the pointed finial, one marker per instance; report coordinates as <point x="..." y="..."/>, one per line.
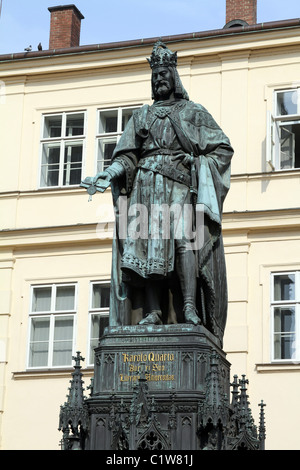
<point x="262" y="426"/>
<point x="77" y="359"/>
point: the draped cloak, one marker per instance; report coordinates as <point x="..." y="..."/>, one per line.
<point x="165" y="134"/>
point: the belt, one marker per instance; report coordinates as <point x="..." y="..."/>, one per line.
<point x="151" y="152"/>
<point x="165" y="170"/>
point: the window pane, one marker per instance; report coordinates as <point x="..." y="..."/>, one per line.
<point x="284" y="332"/>
<point x="95" y="325"/>
<point x="284" y="287"/>
<point x="108" y="121"/>
<point x="62" y="353"/>
<point x="93" y="345"/>
<point x="63" y="340"/>
<point x="100" y="296"/>
<point x="105" y="152"/>
<point x="51" y="153"/>
<point x="75" y="124"/>
<point x="63" y="329"/>
<point x="72" y="163"/>
<point x="284" y="319"/>
<point x="287" y="102"/>
<point x="38" y="354"/>
<point x="65" y="298"/>
<point x="104" y="322"/>
<point x="40" y="329"/>
<point x="289" y="145"/>
<point x="284" y="346"/>
<point x="98" y="324"/>
<point x="41" y="299"/>
<point x="52" y="126"/>
<point x="126" y="115"/>
<point x="39" y="342"/>
<point x="50" y="164"/>
<point x="94" y="335"/>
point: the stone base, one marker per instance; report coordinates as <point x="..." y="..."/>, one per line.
<point x="149" y="386"/>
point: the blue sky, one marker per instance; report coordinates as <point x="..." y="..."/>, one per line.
<point x="26" y="22"/>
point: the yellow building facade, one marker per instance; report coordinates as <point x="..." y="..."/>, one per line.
<point x="61" y="113"/>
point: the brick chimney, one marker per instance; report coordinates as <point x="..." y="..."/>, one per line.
<point x="65" y="23"/>
<point x="243" y="10"/>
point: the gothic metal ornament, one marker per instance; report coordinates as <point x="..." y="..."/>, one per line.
<point x="224" y="426"/>
<point x="143" y="423"/>
<point x="74" y="417"/>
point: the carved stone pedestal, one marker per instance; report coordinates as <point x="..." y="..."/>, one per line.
<point x="159" y="388"/>
<point x="150" y="385"/>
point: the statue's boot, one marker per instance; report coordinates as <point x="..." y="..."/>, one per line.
<point x="153" y="318"/>
<point x="186" y="270"/>
<point x="190" y="314"/>
<point x="153" y="293"/>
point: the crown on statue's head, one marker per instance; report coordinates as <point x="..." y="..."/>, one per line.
<point x="162" y="56"/>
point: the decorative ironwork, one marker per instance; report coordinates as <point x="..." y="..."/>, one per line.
<point x="152" y="439"/>
<point x="146" y="420"/>
<point x="224" y="426"/>
<point x="149" y="422"/>
<point x="262" y="426"/>
<point x="74" y="417"/>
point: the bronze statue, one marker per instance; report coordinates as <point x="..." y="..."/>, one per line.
<point x="171" y="154"/>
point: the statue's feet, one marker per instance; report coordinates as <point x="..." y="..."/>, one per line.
<point x="190" y="315"/>
<point x="151" y="319"/>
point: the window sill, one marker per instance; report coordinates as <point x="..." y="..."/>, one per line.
<point x="67" y="187"/>
<point x="278" y="367"/>
<point x="48" y="191"/>
<point x="294" y="172"/>
<point x="49" y="373"/>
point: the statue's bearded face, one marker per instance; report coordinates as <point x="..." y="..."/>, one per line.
<point x="162" y="83"/>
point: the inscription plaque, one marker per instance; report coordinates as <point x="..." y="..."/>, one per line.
<point x="155" y="366"/>
<point x="169" y="357"/>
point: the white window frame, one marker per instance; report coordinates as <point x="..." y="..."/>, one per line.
<point x="52" y="315"/>
<point x="286" y="303"/>
<point x="109" y="137"/>
<point x="62" y="141"/>
<point x="94" y="311"/>
<point x="274" y="122"/>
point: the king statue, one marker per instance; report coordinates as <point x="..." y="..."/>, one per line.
<point x="170" y="168"/>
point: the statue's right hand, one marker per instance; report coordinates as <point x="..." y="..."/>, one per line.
<point x="100" y="182"/>
<point x="103" y="175"/>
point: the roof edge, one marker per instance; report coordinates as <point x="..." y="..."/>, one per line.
<point x="238" y="30"/>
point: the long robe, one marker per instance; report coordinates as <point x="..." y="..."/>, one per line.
<point x="164" y="135"/>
